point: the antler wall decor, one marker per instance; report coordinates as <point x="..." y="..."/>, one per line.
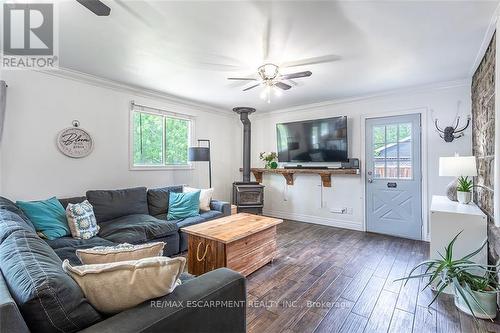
<point x="451" y="133"/>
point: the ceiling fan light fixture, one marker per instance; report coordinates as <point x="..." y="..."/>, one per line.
<point x="268" y="71"/>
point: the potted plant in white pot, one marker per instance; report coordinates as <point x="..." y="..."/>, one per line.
<point x="484" y="289"/>
<point x="464" y="190"/>
<point x="474" y="284"/>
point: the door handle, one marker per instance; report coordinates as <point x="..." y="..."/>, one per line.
<point x="370" y="180"/>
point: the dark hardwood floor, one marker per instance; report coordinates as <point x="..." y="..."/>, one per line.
<point x="335" y="280"/>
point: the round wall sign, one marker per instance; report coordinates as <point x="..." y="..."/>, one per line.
<point x="75" y="142"/>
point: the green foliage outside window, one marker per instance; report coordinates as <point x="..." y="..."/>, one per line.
<point x="177" y="136"/>
<point x="159" y="140"/>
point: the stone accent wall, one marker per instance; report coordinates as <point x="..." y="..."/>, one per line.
<point x="483" y="142"/>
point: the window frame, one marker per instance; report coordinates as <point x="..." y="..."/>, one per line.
<point x="164" y="113"/>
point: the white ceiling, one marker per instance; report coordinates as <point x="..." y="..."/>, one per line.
<point x="187" y="49"/>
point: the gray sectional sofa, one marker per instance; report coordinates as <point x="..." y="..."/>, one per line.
<point x="37" y="295"/>
<point x="135" y="215"/>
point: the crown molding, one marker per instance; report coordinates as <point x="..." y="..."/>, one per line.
<point x="188" y="104"/>
<point x="486" y="40"/>
<point x="387" y="93"/>
<point x="135" y="90"/>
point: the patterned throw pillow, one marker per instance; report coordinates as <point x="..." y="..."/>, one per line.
<point x="81" y="220"/>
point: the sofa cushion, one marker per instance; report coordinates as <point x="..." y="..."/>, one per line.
<point x="78" y="243"/>
<point x="203" y="217"/>
<point x="11" y="222"/>
<point x="158" y="199"/>
<point x="73" y="200"/>
<point x="171" y="244"/>
<point x="182" y="223"/>
<point x="136" y="229"/>
<point x="211" y="214"/>
<point x="49" y="299"/>
<point x="111" y="204"/>
<point x="66" y="247"/>
<point x="48" y="217"/>
<point x="68" y="253"/>
<point x="7" y="205"/>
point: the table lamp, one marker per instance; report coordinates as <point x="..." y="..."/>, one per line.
<point x="456" y="166"/>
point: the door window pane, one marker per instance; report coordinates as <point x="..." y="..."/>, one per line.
<point x="405" y="151"/>
<point x="378" y="136"/>
<point x="404" y="131"/>
<point x="391" y="133"/>
<point x="405" y="170"/>
<point x="391" y="169"/>
<point x="379" y="168"/>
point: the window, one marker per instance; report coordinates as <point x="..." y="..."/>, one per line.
<point x="159" y="139"/>
<point x="392" y="154"/>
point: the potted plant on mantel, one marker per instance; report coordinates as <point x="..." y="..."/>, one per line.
<point x="464" y="193"/>
<point x="269" y="159"/>
<point x="475" y="286"/>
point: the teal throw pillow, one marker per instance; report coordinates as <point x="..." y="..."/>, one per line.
<point x="182" y="205"/>
<point x="48" y="217"/>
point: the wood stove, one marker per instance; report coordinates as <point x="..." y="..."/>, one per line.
<point x="248" y="196"/>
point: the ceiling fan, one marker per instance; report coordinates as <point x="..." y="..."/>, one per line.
<point x="270" y="75"/>
<point x="96" y="7"/>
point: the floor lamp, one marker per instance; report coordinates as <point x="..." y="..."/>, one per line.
<point x="201" y="154"/>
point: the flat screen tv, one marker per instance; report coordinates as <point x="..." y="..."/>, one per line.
<point x="319" y="140"/>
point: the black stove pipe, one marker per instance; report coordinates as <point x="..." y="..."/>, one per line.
<point x="247" y="135"/>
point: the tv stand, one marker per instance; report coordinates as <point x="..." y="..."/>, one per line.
<point x="325" y="174"/>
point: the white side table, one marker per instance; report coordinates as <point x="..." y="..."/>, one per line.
<point x="448" y="218"/>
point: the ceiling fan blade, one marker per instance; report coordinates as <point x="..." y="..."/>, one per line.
<point x="282" y="85"/>
<point x="251" y="87"/>
<point x="296" y="75"/>
<point x="242" y="78"/>
<point x="96" y="7"/>
<point x="312" y="61"/>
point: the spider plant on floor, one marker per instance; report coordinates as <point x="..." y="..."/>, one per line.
<point x="474" y="285"/>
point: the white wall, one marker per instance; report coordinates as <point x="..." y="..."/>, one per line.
<point x="302" y="201"/>
<point x="39" y="105"/>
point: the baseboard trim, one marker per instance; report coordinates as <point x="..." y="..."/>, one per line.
<point x="352" y="225"/>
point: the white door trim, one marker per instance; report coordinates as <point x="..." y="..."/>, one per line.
<point x="424" y="135"/>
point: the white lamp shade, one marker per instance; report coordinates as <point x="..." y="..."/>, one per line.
<point x="457" y="166"/>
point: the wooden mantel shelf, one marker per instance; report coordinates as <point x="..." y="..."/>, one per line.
<point x="325" y="174"/>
